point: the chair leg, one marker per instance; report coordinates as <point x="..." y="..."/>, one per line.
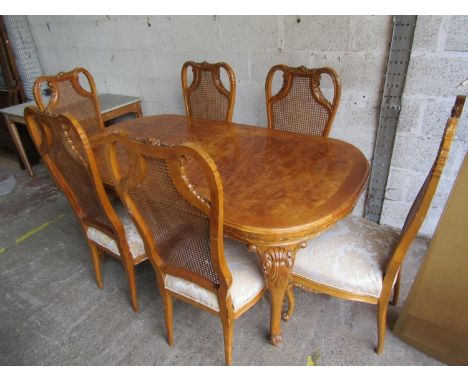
<point x="396" y="289"/>
<point x="228" y="329"/>
<point x="168" y="315"/>
<point x="168" y="310"/>
<point x="381" y="324"/>
<point x="96" y="255"/>
<point x="130" y="270"/>
<point x="286" y="316"/>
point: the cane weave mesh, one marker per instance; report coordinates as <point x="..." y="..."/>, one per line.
<point x="439" y="162"/>
<point x="79" y="106"/>
<point x="436" y="170"/>
<point x="417" y="202"/>
<point x="206" y="101"/>
<point x="299" y="111"/>
<point x="67" y="153"/>
<point x="180" y="231"/>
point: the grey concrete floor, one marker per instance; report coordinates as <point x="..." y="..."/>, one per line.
<point x="53" y="313"/>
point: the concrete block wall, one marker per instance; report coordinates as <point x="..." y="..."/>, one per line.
<point x="438" y="64"/>
<point x="142" y="56"/>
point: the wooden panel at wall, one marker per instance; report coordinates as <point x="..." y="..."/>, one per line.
<point x="435" y="316"/>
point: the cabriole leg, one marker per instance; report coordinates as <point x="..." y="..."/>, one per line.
<point x="277" y="263"/>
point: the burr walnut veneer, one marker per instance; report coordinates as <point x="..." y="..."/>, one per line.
<point x="280" y="188"/>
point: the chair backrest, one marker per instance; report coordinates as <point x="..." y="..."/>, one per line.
<point x="65" y="149"/>
<point x="300" y="105"/>
<point x="67" y="95"/>
<point x="182" y="230"/>
<point x="206" y="97"/>
<point x="424" y="198"/>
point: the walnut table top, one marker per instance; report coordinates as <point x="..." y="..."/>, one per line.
<point x="276" y="184"/>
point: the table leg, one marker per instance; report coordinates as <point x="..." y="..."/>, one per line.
<point x="139" y="112"/>
<point x="277" y="263"/>
<point x="19" y="145"/>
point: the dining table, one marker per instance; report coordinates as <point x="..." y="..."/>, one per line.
<point x="280" y="188"/>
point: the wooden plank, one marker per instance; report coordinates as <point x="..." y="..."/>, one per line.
<point x="435" y="316"/>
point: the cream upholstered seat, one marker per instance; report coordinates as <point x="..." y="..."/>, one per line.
<point x="135" y="243"/>
<point x="247" y="280"/>
<point x="351" y="256"/>
<point x="361" y="261"/>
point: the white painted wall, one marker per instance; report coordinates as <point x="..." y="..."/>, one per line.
<point x="142" y="56"/>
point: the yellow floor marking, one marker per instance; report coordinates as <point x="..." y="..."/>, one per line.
<point x="34" y="231"/>
<point x="312" y="360"/>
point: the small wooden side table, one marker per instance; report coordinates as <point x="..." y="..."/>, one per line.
<point x="112" y="106"/>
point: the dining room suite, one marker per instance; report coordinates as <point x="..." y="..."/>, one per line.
<point x="227" y="214"/>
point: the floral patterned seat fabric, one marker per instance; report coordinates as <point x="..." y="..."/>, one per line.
<point x="350" y="256"/>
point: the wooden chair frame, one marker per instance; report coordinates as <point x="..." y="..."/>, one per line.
<point x="39" y="130"/>
<point x="175" y="158"/>
<point x="314" y="75"/>
<point x="73" y="77"/>
<point x="197" y="68"/>
<point x="414" y="220"/>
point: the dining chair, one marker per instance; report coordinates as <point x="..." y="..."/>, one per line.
<point x="300" y="106"/>
<point x="182" y="230"/>
<point x="360" y="260"/>
<point x="206" y="97"/>
<point x="66" y="93"/>
<point x="65" y="149"/>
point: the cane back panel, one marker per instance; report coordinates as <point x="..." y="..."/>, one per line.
<point x="423" y="200"/>
<point x="61" y="144"/>
<point x="206" y="97"/>
<point x="69" y="96"/>
<point x="300" y="106"/>
<point x="419" y="209"/>
<point x="179" y="230"/>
